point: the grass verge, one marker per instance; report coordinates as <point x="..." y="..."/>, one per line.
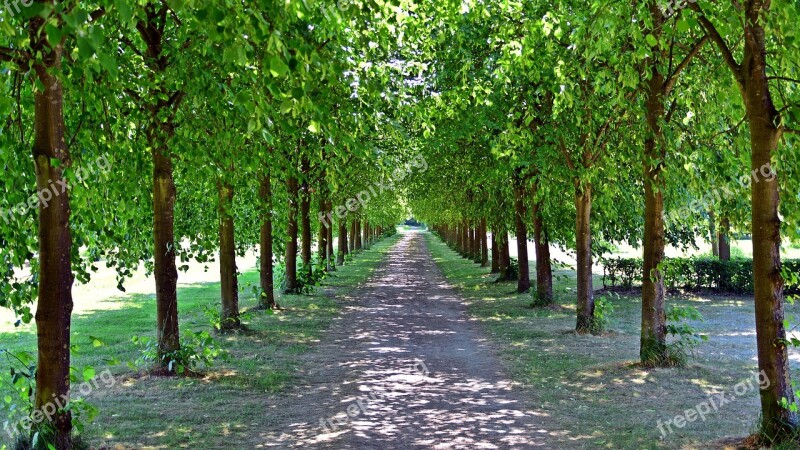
<point x="232" y="398"/>
<point x="592" y="386"/>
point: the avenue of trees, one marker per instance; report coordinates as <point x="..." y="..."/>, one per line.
<point x="307" y="130"/>
<point x="587" y="123"/>
<point x="218" y="126"/>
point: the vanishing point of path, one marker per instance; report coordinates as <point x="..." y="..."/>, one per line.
<point x="413" y="370"/>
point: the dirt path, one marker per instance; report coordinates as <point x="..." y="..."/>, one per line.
<point x="411" y="369"/>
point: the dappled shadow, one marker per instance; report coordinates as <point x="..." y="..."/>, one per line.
<point x="414" y="371"/>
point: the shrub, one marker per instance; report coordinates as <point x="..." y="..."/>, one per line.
<point x="197" y="349"/>
<point x="685" y="336"/>
<point x="692" y="274"/>
<point x="603" y="309"/>
<point x="20" y="405"/>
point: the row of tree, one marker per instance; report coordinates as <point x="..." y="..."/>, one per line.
<point x="586" y="123"/>
<point x="226" y="126"/>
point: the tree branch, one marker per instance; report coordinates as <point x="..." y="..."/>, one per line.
<point x="563" y="148"/>
<point x="14" y="55"/>
<point x="671" y="111"/>
<point x="132" y="94"/>
<point x="98" y="14"/>
<point x="321" y="46"/>
<point x="792" y="80"/>
<point x="673" y="78"/>
<point x="128" y="43"/>
<point x="712" y="32"/>
<point x="729" y="130"/>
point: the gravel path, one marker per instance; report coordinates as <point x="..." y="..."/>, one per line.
<point x="403" y="367"/>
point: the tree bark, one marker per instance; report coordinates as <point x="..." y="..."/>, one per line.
<point x="267" y="300"/>
<point x="331" y="263"/>
<point x="357" y="231"/>
<point x="544" y="270"/>
<point x="714" y="235"/>
<point x="723" y="239"/>
<point x="305" y="221"/>
<point x="504" y="258"/>
<point x="484" y="244"/>
<point x="165" y="270"/>
<point x="352" y="242"/>
<point x="227" y="260"/>
<point x="524" y="278"/>
<point x="476" y="245"/>
<point x="290" y="278"/>
<point x="495" y="253"/>
<point x="653" y="344"/>
<point x="583" y="245"/>
<point x="322" y="237"/>
<point x="778" y="423"/>
<point x="159" y="133"/>
<point x="342" y="242"/>
<point x="54" y="309"/>
<point x="464" y="239"/>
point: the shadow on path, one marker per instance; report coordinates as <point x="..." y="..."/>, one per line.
<point x="404" y="368"/>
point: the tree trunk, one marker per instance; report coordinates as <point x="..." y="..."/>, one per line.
<point x="476" y="245"/>
<point x="322" y="237"/>
<point x="342" y="242"/>
<point x="495" y="253"/>
<point x="159" y="133"/>
<point x="227" y="261"/>
<point x="464" y="239"/>
<point x="544" y="270"/>
<point x="504" y="258"/>
<point x="290" y="278"/>
<point x="267" y="300"/>
<point x="583" y="246"/>
<point x="54" y="309"/>
<point x="305" y="222"/>
<point x="484" y="244"/>
<point x="777" y="423"/>
<point x="165" y="270"/>
<point x="524" y="278"/>
<point x="653" y="344"/>
<point x="357" y="231"/>
<point x="714" y="236"/>
<point x="352" y="243"/>
<point x="723" y="239"/>
<point x="331" y="264"/>
<point x="470" y="242"/>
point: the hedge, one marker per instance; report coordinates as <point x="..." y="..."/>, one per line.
<point x="692" y="274"/>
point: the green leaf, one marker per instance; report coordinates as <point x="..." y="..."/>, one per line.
<point x="89" y="373"/>
<point x="277" y="67"/>
<point x="54" y="33"/>
<point x="96" y="342"/>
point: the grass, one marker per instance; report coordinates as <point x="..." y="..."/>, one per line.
<point x="230" y="402"/>
<point x="592" y="386"/>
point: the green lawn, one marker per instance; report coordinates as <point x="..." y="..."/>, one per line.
<point x="592" y="386"/>
<point x="141" y="411"/>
